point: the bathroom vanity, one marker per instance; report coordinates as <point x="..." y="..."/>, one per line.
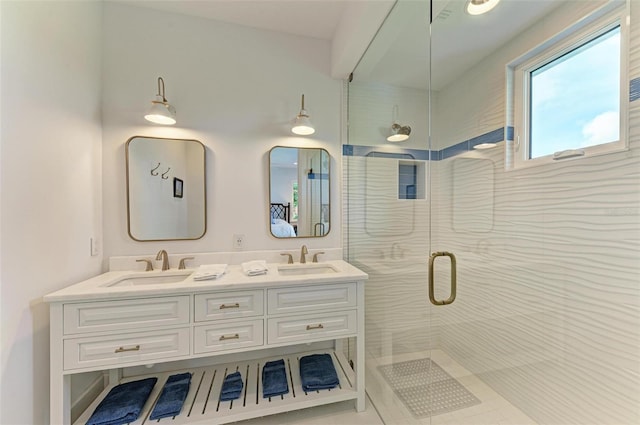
<point x="121" y="320"/>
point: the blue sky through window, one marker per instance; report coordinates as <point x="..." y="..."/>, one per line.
<point x="575" y="99"/>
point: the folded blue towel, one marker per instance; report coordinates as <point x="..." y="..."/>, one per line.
<point x="231" y="387"/>
<point x="274" y="379"/>
<point x="172" y="397"/>
<point x="317" y="372"/>
<point x="123" y="403"/>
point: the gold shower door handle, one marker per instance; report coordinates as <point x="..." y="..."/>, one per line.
<point x="432" y="296"/>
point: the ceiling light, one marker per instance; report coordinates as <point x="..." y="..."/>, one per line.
<point x="302" y="125"/>
<point x="481" y="146"/>
<point x="478" y="7"/>
<point x="161" y="112"/>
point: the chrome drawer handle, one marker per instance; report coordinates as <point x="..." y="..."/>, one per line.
<point x="235" y="305"/>
<point x="122" y="349"/>
<point x="225" y="337"/>
<point x="318" y="326"/>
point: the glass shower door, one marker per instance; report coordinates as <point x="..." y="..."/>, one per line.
<point x="544" y="327"/>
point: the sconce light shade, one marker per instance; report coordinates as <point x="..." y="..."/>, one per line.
<point x="161" y="112"/>
<point x="302" y="125"/>
<point x="399" y="133"/>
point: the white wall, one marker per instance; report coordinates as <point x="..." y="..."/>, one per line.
<point x="51" y="182"/>
<point x="236" y="90"/>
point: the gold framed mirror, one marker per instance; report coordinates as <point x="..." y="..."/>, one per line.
<point x="166" y="189"/>
<point x="299" y="195"/>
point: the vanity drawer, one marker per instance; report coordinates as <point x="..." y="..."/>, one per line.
<point x="126" y="314"/>
<point x="227" y="305"/>
<point x="126" y="348"/>
<point x="286" y="300"/>
<point x="228" y="336"/>
<point x="312" y="327"/>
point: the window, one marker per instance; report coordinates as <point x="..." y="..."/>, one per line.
<point x="570" y="94"/>
<point x="294" y="196"/>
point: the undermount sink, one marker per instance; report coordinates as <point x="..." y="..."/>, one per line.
<point x="306" y="269"/>
<point x="137" y="280"/>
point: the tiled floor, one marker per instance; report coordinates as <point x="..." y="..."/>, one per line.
<point x="493" y="409"/>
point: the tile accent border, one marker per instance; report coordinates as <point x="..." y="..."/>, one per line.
<point x="387" y="151"/>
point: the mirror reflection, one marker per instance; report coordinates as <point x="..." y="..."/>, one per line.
<point x="166" y="195"/>
<point x="299" y="192"/>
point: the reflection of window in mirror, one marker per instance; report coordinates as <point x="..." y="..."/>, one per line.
<point x="294" y="197"/>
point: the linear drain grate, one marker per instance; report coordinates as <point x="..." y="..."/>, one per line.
<point x="425" y="388"/>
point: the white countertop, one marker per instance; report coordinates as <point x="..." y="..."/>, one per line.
<point x="97" y="288"/>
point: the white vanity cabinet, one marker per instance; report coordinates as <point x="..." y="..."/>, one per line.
<point x="238" y="327"/>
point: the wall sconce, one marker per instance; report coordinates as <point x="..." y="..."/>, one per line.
<point x="302" y="125"/>
<point x="161" y="112"/>
<point x="399" y="133"/>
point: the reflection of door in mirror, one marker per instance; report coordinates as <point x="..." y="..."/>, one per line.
<point x="166" y="194"/>
<point x="299" y="192"/>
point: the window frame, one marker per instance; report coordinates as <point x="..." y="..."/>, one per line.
<point x="576" y="35"/>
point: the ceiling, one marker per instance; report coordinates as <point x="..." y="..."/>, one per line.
<point x="308" y="18"/>
<point x="399" y="53"/>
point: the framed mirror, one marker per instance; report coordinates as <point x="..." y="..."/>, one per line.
<point x="299" y="182"/>
<point x="166" y="190"/>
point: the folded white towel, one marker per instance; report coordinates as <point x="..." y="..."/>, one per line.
<point x="254" y="268"/>
<point x="209" y="271"/>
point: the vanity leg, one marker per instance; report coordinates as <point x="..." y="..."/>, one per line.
<point x="359" y="359"/>
<point x="60" y="399"/>
<point x="59" y="383"/>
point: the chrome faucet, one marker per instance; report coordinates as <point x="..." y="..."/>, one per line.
<point x="162" y="255"/>
<point x="303" y="251"/>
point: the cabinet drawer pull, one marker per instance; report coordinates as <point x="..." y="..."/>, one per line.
<point x="234" y="305"/>
<point x="318" y="326"/>
<point x="225" y="337"/>
<point x="122" y="349"/>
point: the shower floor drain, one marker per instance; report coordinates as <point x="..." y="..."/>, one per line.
<point x="426" y="389"/>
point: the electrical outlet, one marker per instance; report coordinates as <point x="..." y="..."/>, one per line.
<point x="95" y="247"/>
<point x="238" y="242"/>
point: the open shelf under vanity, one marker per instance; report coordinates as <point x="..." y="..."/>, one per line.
<point x="202" y="404"/>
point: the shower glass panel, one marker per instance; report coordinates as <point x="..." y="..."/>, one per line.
<point x="545" y="326"/>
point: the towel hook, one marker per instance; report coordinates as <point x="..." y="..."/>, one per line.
<point x="152" y="171"/>
<point x="164" y="175"/>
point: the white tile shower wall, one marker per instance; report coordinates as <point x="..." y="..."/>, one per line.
<point x="548" y="308"/>
<point x="236" y="89"/>
<point x="371" y="114"/>
<point x="387" y="237"/>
